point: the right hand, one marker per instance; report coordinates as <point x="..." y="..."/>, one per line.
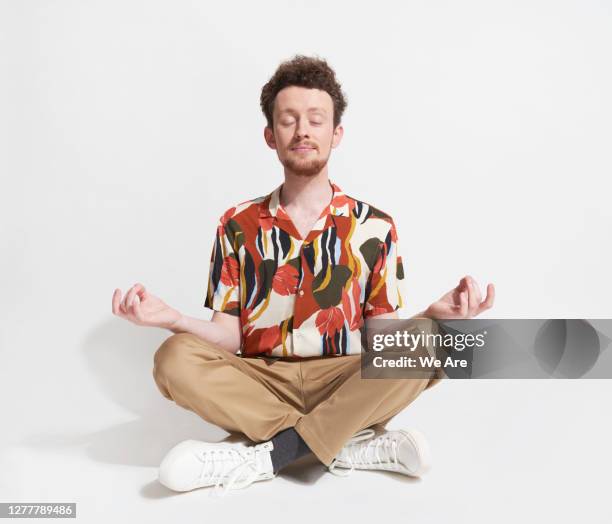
<point x="144" y="309"/>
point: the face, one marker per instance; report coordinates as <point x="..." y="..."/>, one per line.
<point x="303" y="133"/>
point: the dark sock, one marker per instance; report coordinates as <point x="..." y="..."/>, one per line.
<point x="288" y="447"/>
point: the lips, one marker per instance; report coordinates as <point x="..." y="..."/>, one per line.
<point x="302" y="148"/>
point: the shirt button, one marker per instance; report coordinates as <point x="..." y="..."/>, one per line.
<point x="301" y="292"/>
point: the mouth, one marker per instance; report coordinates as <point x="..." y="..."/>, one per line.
<point x="302" y="148"/>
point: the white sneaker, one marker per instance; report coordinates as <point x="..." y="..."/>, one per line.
<point x="194" y="464"/>
<point x="402" y="451"/>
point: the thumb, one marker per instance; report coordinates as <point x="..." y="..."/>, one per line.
<point x="137" y="309"/>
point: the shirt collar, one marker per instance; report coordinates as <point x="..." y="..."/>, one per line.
<point x="339" y="204"/>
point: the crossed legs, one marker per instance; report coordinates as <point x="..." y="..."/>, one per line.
<point x="325" y="400"/>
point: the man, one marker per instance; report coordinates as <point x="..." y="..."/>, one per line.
<point x="295" y="276"/>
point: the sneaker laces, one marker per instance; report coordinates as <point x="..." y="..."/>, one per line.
<point x="234" y="468"/>
<point x="365" y="454"/>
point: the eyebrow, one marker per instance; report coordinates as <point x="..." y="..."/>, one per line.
<point x="310" y="110"/>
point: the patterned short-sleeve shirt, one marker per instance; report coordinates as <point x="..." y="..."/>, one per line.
<point x="303" y="297"/>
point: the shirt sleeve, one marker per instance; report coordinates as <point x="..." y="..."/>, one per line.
<point x="386" y="284"/>
<point x="223" y="293"/>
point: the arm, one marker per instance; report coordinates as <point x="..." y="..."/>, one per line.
<point x="464" y="301"/>
<point x="394" y="315"/>
<point x="222" y="330"/>
<point x="145" y="309"/>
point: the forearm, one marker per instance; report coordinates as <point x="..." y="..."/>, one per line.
<point x="422" y="314"/>
<point x="209" y="331"/>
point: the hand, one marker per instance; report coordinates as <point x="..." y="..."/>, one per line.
<point x="144" y="309"/>
<point x="464" y="301"/>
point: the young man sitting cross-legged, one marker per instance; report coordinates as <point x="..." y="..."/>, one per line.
<point x="295" y="276"/>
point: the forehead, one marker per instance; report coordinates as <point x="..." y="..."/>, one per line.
<point x="296" y="98"/>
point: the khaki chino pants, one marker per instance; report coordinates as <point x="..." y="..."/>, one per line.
<point x="323" y="398"/>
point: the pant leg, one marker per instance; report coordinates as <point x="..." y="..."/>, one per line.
<point x="383" y="423"/>
<point x="253" y="396"/>
<point x="352" y="403"/>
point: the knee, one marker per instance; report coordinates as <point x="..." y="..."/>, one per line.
<point x="432" y="382"/>
<point x="435" y="379"/>
<point x="183" y="349"/>
<point x="171" y="354"/>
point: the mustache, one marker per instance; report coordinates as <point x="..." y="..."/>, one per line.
<point x="303" y="144"/>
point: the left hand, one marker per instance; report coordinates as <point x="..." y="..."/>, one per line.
<point x="464" y="301"/>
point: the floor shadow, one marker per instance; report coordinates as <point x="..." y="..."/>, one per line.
<point x="119" y="358"/>
<point x="304" y="471"/>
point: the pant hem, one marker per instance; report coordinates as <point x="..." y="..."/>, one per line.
<point x="315" y="444"/>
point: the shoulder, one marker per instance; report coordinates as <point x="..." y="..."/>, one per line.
<point x="366" y="212"/>
<point x="371" y="221"/>
<point x="242" y="211"/>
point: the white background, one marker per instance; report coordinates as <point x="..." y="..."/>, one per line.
<point x="127" y="128"/>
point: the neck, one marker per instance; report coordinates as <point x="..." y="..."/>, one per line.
<point x="306" y="193"/>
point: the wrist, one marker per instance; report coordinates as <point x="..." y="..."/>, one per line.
<point x="179" y="325"/>
<point x="424" y="314"/>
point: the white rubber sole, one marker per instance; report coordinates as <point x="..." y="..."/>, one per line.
<point x="419" y="463"/>
<point x="177" y="476"/>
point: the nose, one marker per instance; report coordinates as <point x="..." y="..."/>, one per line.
<point x="301" y="130"/>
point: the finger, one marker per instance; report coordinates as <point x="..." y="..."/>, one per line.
<point x="117" y="302"/>
<point x="463" y="304"/>
<point x="477" y="291"/>
<point x="142" y="294"/>
<point x="132" y="293"/>
<point x="122" y="305"/>
<point x="140" y="291"/>
<point x="132" y="304"/>
<point x="461" y="287"/>
<point x="472" y="304"/>
<point x="129" y="297"/>
<point x="137" y="310"/>
<point x="488" y="303"/>
<point x="124" y="302"/>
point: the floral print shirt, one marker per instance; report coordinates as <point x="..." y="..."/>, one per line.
<point x="304" y="297"/>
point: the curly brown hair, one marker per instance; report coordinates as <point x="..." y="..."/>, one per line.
<point x="303" y="71"/>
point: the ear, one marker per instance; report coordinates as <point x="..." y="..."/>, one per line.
<point x="269" y="137"/>
<point x="337" y="137"/>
